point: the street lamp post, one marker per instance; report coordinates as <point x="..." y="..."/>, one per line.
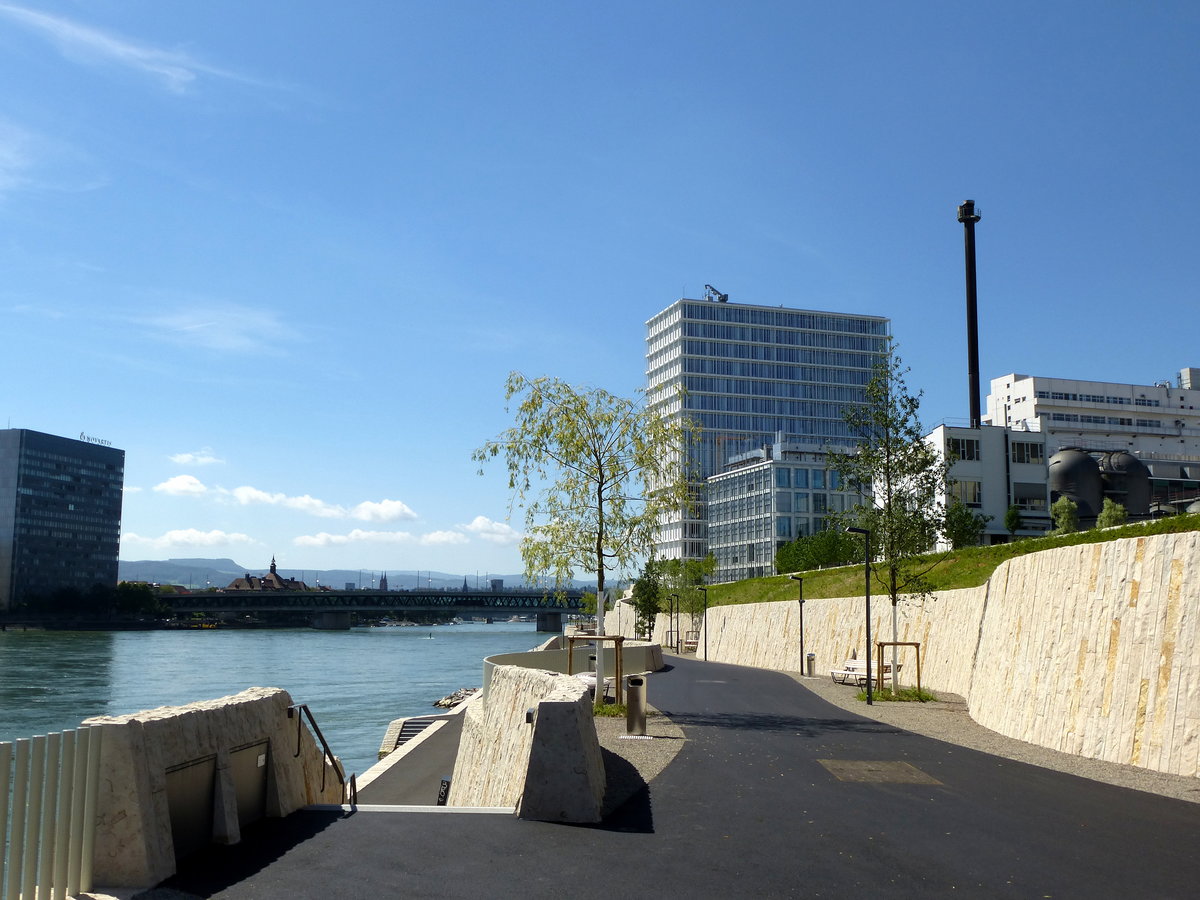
<point x="800" y="579"/>
<point x="674" y="617"/>
<point x="866" y="533"/>
<point x="705" y="590"/>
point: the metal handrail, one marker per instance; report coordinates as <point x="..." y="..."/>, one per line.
<point x="327" y="752"/>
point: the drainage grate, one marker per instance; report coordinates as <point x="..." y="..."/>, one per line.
<point x="876" y="771"/>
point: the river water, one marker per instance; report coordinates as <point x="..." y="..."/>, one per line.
<point x="355" y="682"/>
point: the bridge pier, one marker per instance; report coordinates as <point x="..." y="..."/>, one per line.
<point x="332" y="620"/>
<point x="550" y="621"/>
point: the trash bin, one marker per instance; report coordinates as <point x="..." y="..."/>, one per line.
<point x="811" y="662"/>
<point x="635" y="705"/>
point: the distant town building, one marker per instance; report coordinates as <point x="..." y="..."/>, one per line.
<point x="383" y="585"/>
<point x="60" y="514"/>
<point x="272" y="581"/>
<point x="751" y="375"/>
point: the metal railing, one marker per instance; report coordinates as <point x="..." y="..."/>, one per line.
<point x="48" y="787"/>
<point x="328" y="759"/>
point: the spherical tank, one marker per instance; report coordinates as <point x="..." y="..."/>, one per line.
<point x="1074" y="474"/>
<point x="1129" y="480"/>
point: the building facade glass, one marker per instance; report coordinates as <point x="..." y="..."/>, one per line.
<point x="60" y="514"/>
<point x="749" y="376"/>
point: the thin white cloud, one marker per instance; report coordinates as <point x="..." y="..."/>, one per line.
<point x="182" y="486"/>
<point x="184" y="538"/>
<point x="202" y="457"/>
<point x="383" y="511"/>
<point x="495" y="532"/>
<point x="252" y="496"/>
<point x="31" y="161"/>
<point x="357" y="536"/>
<point x="221" y="326"/>
<point x="83" y="44"/>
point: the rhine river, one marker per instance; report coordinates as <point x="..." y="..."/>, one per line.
<point x="355" y="682"/>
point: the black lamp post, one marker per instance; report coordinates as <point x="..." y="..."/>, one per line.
<point x="674" y="616"/>
<point x="800" y="578"/>
<point x="866" y="533"/>
<point x="705" y="590"/>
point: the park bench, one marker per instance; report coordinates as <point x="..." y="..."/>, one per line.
<point x="691" y="640"/>
<point x="855" y="670"/>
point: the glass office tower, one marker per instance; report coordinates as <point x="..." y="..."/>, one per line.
<point x="60" y="514"/>
<point x="752" y="376"/>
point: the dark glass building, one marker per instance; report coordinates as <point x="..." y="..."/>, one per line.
<point x="60" y="514"/>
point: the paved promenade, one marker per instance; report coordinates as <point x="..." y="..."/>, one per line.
<point x="775" y="793"/>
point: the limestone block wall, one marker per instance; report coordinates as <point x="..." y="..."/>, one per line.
<point x="550" y="770"/>
<point x="1095" y="650"/>
<point x="135" y="846"/>
<point x="1092" y="650"/>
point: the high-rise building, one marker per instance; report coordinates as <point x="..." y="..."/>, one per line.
<point x="751" y="376"/>
<point x="60" y="514"/>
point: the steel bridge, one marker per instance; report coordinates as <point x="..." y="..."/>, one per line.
<point x="332" y="609"/>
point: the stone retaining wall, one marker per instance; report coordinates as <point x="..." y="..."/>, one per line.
<point x="1092" y="650"/>
<point x="550" y="769"/>
<point x="237" y="759"/>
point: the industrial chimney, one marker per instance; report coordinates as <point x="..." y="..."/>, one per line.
<point x="969" y="215"/>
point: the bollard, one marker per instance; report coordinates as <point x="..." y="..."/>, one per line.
<point x="635" y="708"/>
<point x="812" y="664"/>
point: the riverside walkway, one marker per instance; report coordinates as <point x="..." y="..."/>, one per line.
<point x="775" y="793"/>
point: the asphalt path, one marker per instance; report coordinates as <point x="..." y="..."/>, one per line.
<point x="775" y="793"/>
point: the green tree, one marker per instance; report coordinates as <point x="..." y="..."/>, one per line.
<point x="1065" y="513"/>
<point x="683" y="577"/>
<point x="647" y="597"/>
<point x="902" y="475"/>
<point x="593" y="471"/>
<point x="1111" y="514"/>
<point x="828" y="547"/>
<point x="964" y="528"/>
<point x="1013" y="520"/>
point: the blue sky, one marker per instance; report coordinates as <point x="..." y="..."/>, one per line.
<point x="284" y="254"/>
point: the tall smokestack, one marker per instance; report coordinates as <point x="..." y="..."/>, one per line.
<point x="968" y="215"/>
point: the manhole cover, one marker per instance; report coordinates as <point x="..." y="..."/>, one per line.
<point x="876" y="771"/>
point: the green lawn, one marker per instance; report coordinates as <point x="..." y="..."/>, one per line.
<point x="960" y="569"/>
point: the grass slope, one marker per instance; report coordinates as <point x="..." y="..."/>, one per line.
<point x="964" y="568"/>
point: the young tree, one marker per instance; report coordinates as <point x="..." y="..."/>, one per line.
<point x="1065" y="513"/>
<point x="647" y="597"/>
<point x="903" y="477"/>
<point x="593" y="471"/>
<point x="963" y="527"/>
<point x="1111" y="513"/>
<point x="1013" y="520"/>
<point x="683" y="577"/>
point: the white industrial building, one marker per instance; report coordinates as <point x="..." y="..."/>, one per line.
<point x="1030" y="419"/>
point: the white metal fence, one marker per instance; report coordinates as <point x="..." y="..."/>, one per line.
<point x="48" y="814"/>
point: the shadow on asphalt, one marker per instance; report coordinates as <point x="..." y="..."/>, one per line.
<point x="806" y="726"/>
<point x="218" y="868"/>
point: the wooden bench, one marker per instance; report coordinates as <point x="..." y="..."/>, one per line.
<point x="691" y="640"/>
<point x="856" y="670"/>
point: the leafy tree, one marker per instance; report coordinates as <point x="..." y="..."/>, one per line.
<point x="1111" y="513"/>
<point x="683" y="577"/>
<point x="1013" y="520"/>
<point x="594" y="473"/>
<point x="963" y="527"/>
<point x="647" y="596"/>
<point x="902" y="474"/>
<point x="1065" y="513"/>
<point x="828" y="547"/>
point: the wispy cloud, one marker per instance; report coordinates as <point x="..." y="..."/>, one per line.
<point x="251" y="496"/>
<point x="383" y="511"/>
<point x="173" y="69"/>
<point x="185" y="538"/>
<point x="221" y="326"/>
<point x="442" y="538"/>
<point x="32" y="161"/>
<point x="495" y="532"/>
<point x="357" y="536"/>
<point x="202" y="457"/>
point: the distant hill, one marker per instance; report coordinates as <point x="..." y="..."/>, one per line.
<point x="199" y="574"/>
